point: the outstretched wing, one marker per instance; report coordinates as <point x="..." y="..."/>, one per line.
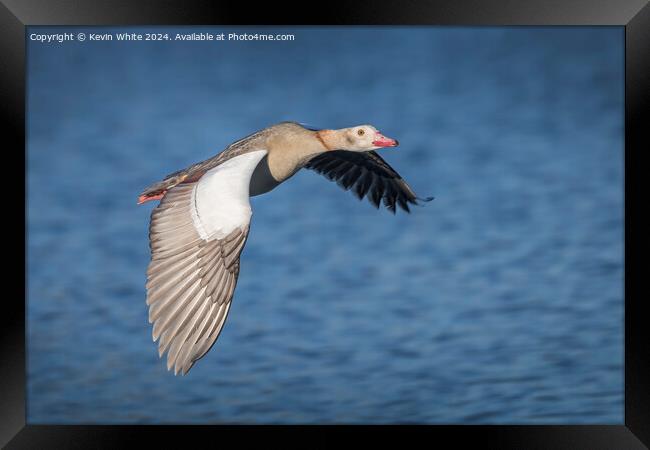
<point x="196" y="235"/>
<point x="366" y="174"/>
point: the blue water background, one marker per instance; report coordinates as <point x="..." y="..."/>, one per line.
<point x="499" y="302"/>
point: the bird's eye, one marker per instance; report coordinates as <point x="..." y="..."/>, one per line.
<point x="361" y="132"/>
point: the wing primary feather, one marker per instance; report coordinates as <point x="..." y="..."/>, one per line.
<point x="187" y="329"/>
<point x="176" y="321"/>
<point x="368" y="175"/>
<point x="159" y="254"/>
<point x="364" y="183"/>
<point x="157" y="287"/>
<point x="376" y="191"/>
<point x="161" y="323"/>
<point x="163" y="267"/>
<point x="403" y="203"/>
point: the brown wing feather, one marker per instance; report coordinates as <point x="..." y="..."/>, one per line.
<point x="368" y="175"/>
<point x="190" y="281"/>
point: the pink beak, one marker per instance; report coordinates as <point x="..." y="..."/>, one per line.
<point x="383" y="141"/>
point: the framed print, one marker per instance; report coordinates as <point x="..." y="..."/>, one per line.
<point x="196" y="262"/>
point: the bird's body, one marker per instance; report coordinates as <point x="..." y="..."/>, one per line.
<point x="199" y="229"/>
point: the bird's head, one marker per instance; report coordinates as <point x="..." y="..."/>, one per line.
<point x="362" y="138"/>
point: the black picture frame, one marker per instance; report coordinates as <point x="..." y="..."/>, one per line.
<point x="633" y="15"/>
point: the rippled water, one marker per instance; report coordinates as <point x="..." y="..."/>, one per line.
<point x="499" y="302"/>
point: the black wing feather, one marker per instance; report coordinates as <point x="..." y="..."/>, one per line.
<point x="367" y="175"/>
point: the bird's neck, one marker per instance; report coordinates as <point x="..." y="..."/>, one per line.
<point x="333" y="139"/>
<point x="290" y="151"/>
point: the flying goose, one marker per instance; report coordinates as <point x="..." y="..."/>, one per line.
<point x="197" y="232"/>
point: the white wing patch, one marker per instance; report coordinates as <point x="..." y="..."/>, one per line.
<point x="220" y="200"/>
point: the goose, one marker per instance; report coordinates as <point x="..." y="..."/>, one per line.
<point x="199" y="228"/>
